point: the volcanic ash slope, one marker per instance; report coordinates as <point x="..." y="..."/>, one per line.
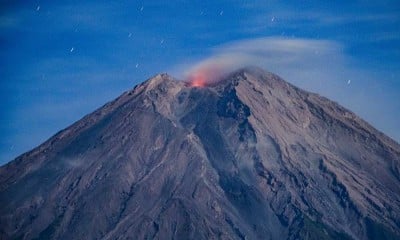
<point x="249" y="157"/>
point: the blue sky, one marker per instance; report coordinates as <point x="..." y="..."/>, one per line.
<point x="60" y="60"/>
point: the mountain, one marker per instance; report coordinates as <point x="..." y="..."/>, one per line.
<point x="248" y="157"/>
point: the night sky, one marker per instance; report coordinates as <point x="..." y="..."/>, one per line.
<point x="60" y="60"/>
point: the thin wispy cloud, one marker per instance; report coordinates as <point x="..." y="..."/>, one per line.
<point x="287" y="20"/>
<point x="268" y="52"/>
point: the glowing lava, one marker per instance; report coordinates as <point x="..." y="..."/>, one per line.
<point x="205" y="75"/>
<point x="198" y="79"/>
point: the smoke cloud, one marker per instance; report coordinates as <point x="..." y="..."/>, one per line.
<point x="211" y="70"/>
<point x="270" y="53"/>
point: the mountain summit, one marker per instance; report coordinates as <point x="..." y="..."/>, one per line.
<point x="248" y="157"/>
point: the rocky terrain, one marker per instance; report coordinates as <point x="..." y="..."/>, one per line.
<point x="248" y="157"/>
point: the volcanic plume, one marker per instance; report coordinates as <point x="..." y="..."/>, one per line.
<point x="207" y="74"/>
<point x="249" y="156"/>
<point x="212" y="70"/>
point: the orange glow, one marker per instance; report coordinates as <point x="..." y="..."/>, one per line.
<point x="198" y="80"/>
<point x="204" y="76"/>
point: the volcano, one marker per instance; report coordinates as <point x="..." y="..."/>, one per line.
<point x="248" y="157"/>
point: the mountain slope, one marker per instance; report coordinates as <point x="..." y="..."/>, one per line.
<point x="249" y="157"/>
